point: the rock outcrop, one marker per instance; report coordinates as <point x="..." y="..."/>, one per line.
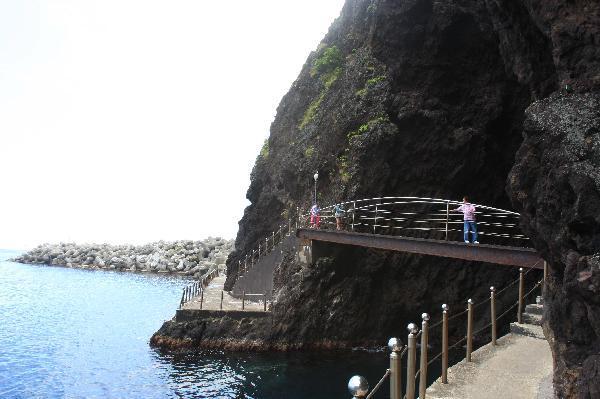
<point x="556" y="186"/>
<point x="183" y="257"/>
<point x="428" y="98"/>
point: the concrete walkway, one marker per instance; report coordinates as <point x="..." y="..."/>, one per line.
<point x="212" y="299"/>
<point x="520" y="367"/>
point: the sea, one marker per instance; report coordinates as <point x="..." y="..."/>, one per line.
<point x="73" y="333"/>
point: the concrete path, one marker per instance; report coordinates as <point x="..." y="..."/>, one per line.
<point x="519" y="367"/>
<point x="212" y="298"/>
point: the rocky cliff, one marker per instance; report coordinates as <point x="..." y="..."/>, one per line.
<point x="183" y="257"/>
<point x="556" y="186"/>
<point x="423" y="97"/>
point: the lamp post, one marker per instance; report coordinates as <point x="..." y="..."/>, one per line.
<point x="316" y="177"/>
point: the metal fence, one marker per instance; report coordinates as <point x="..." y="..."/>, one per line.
<point x="420" y="217"/>
<point x="358" y="385"/>
<point x="197" y="288"/>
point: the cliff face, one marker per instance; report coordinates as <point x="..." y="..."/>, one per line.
<point x="556" y="186"/>
<point x="423" y="97"/>
<point x="402" y="98"/>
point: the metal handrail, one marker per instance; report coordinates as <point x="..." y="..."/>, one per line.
<point x="380" y="215"/>
<point x="413" y="374"/>
<point x="197" y="288"/>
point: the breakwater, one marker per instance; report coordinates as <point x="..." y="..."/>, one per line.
<point x="186" y="257"/>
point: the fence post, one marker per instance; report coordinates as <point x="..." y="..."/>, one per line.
<point x="423" y="365"/>
<point x="521" y="293"/>
<point x="395" y="346"/>
<point x="447" y="217"/>
<point x="353" y="213"/>
<point x="469" y="329"/>
<point x="265" y="301"/>
<point x="201" y="297"/>
<point x="259" y="250"/>
<point x="445" y="309"/>
<point x="243" y="299"/>
<point x="375" y="220"/>
<point x="545" y="278"/>
<point x="493" y="313"/>
<point x="411" y="360"/>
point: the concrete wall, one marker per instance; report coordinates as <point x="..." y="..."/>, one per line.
<point x="260" y="278"/>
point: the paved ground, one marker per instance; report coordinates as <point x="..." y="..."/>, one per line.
<point x="519" y="367"/>
<point x="212" y="299"/>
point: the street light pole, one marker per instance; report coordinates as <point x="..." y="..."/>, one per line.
<point x="316" y="176"/>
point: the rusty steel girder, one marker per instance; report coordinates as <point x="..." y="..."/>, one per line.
<point x="502" y="255"/>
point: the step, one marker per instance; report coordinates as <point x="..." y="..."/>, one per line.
<point x="532" y="318"/>
<point x="535" y="309"/>
<point x="528" y="330"/>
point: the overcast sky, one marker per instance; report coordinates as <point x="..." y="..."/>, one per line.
<point x="133" y="121"/>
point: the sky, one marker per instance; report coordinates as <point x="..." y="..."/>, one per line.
<point x="130" y="121"/>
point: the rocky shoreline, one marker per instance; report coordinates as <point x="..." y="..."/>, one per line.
<point x="187" y="257"/>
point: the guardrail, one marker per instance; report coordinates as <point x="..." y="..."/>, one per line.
<point x="247" y="262"/>
<point x="422" y="217"/>
<point x="359" y="386"/>
<point x="407" y="216"/>
<point x="197" y="288"/>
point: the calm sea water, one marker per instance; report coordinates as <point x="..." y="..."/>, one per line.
<point x="68" y="333"/>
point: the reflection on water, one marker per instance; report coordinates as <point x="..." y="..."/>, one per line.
<point x="68" y="333"/>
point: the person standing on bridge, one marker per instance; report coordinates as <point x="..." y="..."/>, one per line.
<point x="468" y="211"/>
<point x="315" y="216"/>
<point x="338" y="212"/>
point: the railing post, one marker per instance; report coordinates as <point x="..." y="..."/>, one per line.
<point x="545" y="278"/>
<point x="265" y="301"/>
<point x="290" y="226"/>
<point x="447" y="217"/>
<point x="411" y="360"/>
<point x="201" y="297"/>
<point x="521" y="293"/>
<point x="493" y="313"/>
<point x="395" y="346"/>
<point x="469" y="329"/>
<point x="375" y="220"/>
<point x="445" y="309"/>
<point x="358" y="387"/>
<point x="353" y="213"/>
<point x="243" y="299"/>
<point x="221" y="307"/>
<point x="423" y="365"/>
<point x="259" y="250"/>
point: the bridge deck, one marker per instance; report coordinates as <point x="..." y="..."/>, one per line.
<point x="503" y="255"/>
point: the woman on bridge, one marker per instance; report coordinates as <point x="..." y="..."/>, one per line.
<point x="315" y="216"/>
<point x="468" y="211"/>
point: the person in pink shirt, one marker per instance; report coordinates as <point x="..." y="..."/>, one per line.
<point x="468" y="211"/>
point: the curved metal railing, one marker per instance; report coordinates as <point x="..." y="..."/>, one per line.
<point x="422" y="217"/>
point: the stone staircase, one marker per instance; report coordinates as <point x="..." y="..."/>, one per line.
<point x="532" y="321"/>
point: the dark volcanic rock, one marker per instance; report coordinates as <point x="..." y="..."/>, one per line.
<point x="423" y="98"/>
<point x="427" y="98"/>
<point x="556" y="186"/>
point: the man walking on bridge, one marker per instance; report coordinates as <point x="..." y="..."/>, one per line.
<point x="468" y="211"/>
